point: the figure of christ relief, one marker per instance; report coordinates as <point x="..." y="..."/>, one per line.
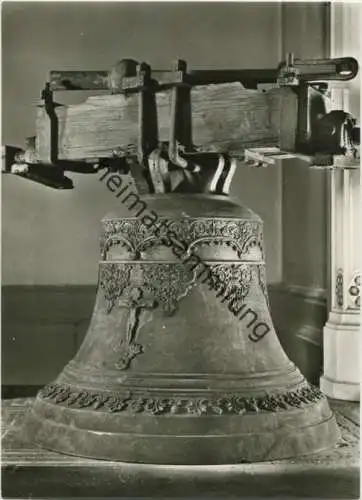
<point x="135" y="303"/>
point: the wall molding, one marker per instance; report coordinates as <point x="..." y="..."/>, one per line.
<point x="299" y="314"/>
<point x="310" y="333"/>
<point x="313" y="294"/>
<point x="305" y="309"/>
<point x="43" y="327"/>
<point x="47" y="303"/>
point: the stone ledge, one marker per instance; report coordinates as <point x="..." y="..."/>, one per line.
<point x="30" y="471"/>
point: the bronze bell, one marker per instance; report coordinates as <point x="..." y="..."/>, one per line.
<point x="181" y="363"/>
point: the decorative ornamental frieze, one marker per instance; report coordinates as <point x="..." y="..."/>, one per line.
<point x="231" y="280"/>
<point x="354" y="291"/>
<point x="113" y="280"/>
<point x="144" y="404"/>
<point x="339" y="288"/>
<point x="168" y="283"/>
<point x="135" y="236"/>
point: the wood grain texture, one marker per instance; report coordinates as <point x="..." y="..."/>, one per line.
<point x="225" y="118"/>
<point x="287" y="120"/>
<point x="44" y="129"/>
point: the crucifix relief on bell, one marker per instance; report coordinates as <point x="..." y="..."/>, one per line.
<point x="135" y="303"/>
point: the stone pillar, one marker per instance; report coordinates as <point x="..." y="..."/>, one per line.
<point x="341" y="338"/>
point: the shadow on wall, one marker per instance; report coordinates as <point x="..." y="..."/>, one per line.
<point x="51" y="237"/>
<point x="43" y="327"/>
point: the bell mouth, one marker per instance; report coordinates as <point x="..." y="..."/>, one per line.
<point x="191" y="439"/>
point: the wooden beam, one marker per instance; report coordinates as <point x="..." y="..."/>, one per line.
<point x="225" y="118"/>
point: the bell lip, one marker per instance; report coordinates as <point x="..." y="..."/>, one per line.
<point x="315" y="431"/>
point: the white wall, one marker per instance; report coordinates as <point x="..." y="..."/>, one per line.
<point x="51" y="237"/>
<point x="346" y="41"/>
<point x="305" y="33"/>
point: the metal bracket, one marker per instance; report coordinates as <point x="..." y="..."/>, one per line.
<point x="180" y="126"/>
<point x="294" y="71"/>
<point x="265" y="157"/>
<point x="50" y="156"/>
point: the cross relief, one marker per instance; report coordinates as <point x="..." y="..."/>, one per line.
<point x="136" y="304"/>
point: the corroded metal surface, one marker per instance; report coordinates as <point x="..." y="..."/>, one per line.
<point x="30" y="471"/>
<point x="181" y="363"/>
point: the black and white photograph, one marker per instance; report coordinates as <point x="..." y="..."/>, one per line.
<point x="181" y="249"/>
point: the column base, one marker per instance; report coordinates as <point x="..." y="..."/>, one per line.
<point x="341" y="377"/>
<point x="346" y="391"/>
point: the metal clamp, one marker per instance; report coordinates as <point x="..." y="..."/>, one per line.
<point x="293" y="71"/>
<point x="50" y="154"/>
<point x="180" y="126"/>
